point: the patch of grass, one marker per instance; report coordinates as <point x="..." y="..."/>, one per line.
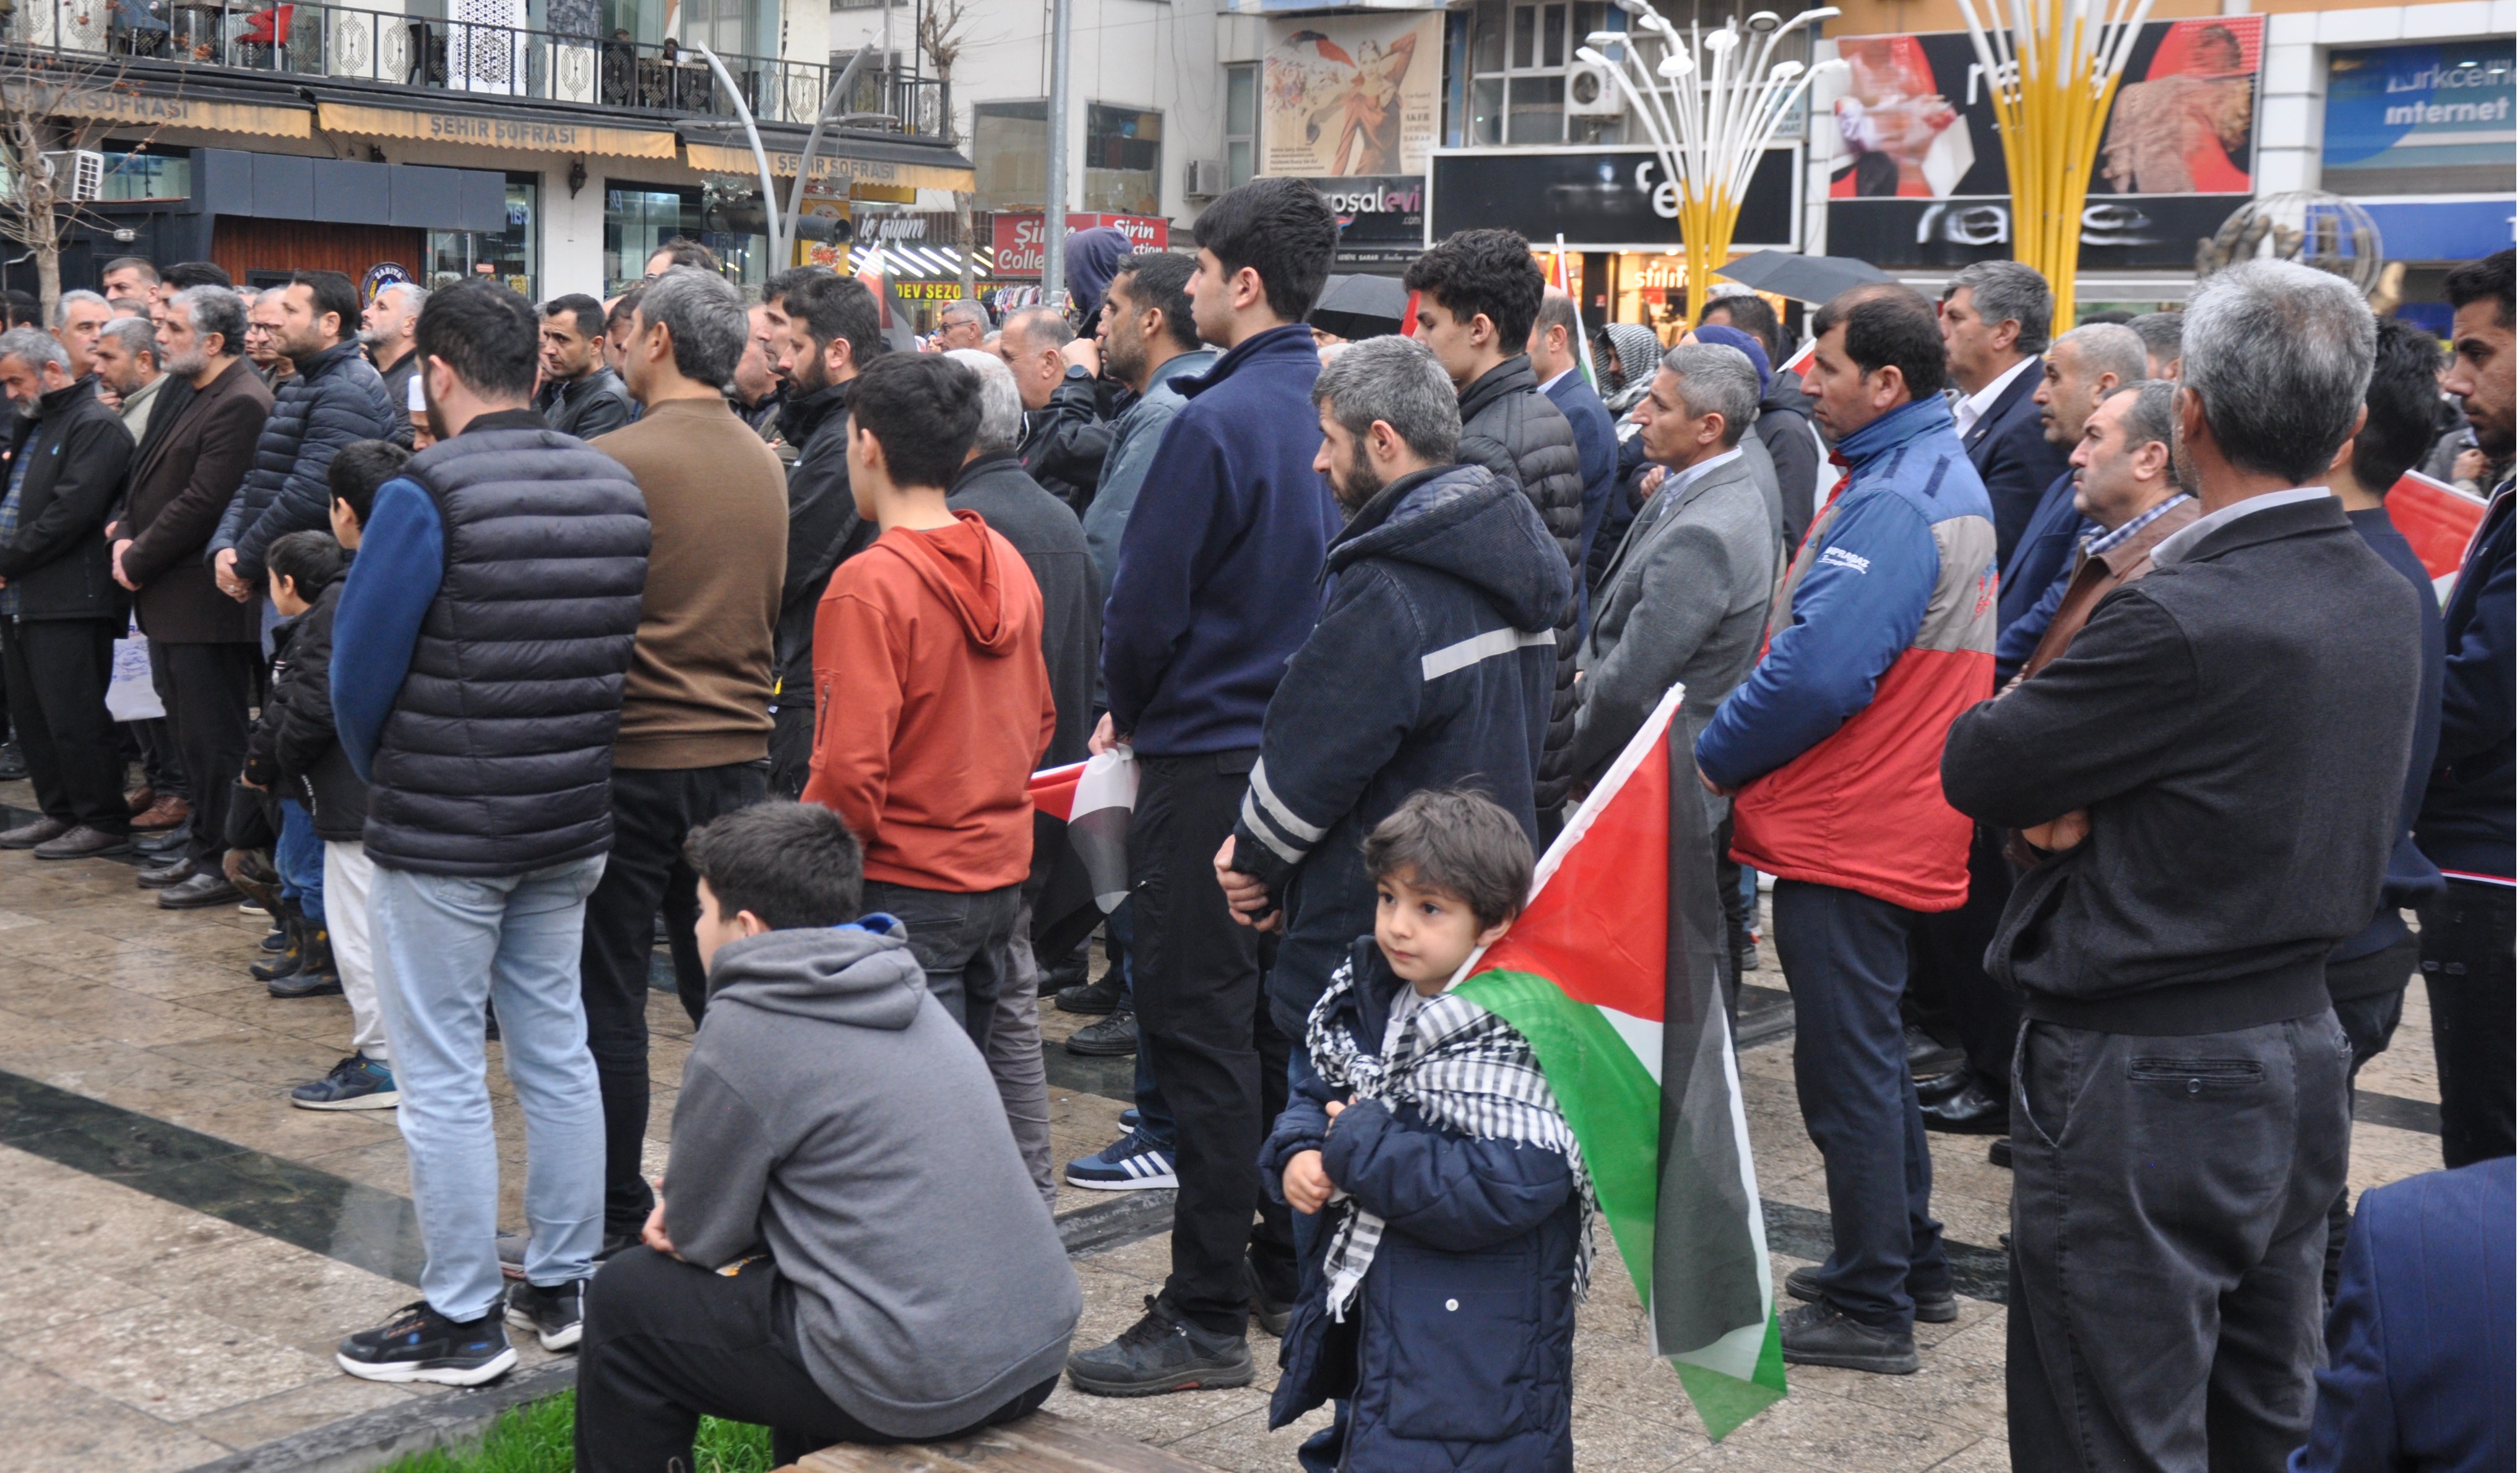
<point x="541" y="1437"/>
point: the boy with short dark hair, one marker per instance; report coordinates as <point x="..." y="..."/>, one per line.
<point x="847" y="1246"/>
<point x="300" y="567"/>
<point x="1443" y="1307"/>
<point x="931" y="694"/>
<point x="311" y="760"/>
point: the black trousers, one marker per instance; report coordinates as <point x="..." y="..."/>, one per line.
<point x="58" y="671"/>
<point x="2466" y="945"/>
<point x="666" y="1344"/>
<point x="209" y="692"/>
<point x="1203" y="1021"/>
<point x="791" y="746"/>
<point x="2374" y="989"/>
<point x="2170" y="1200"/>
<point x="1947" y="961"/>
<point x="653" y="809"/>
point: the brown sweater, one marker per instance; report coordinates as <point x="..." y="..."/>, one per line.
<point x="699" y="691"/>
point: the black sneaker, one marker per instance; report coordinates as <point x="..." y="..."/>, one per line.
<point x="555" y="1315"/>
<point x="1115" y="1036"/>
<point x="1271" y="1312"/>
<point x="1089" y="997"/>
<point x="1999" y="1152"/>
<point x="1821" y="1334"/>
<point x="1931" y="1308"/>
<point x="305" y="982"/>
<point x="420" y="1344"/>
<point x="1162" y="1351"/>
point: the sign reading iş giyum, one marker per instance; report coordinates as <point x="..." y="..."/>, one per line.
<point x="1018" y="240"/>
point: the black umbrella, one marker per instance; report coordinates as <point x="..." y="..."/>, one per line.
<point x="1361" y="306"/>
<point x="1804" y="278"/>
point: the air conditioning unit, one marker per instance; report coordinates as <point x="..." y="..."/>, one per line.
<point x="1203" y="179"/>
<point x="1592" y="92"/>
<point x="77" y="174"/>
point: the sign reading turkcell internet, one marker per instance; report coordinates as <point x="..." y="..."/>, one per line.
<point x="2419" y="119"/>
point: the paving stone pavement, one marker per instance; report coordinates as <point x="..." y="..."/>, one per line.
<point x="180" y="1248"/>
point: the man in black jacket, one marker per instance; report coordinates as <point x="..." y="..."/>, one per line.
<point x="60" y="609"/>
<point x="335" y="396"/>
<point x="581" y="395"/>
<point x="1065" y="437"/>
<point x="833" y="329"/>
<point x="994" y="483"/>
<point x="1434" y="659"/>
<point x="1479" y="291"/>
<point x="1995" y="326"/>
<point x="2214" y="768"/>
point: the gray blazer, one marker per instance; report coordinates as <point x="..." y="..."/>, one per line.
<point x="1684" y="600"/>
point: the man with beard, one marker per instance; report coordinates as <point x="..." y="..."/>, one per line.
<point x="1436" y="652"/>
<point x="386" y="329"/>
<point x="754" y="390"/>
<point x="204" y="646"/>
<point x="2466" y="826"/>
<point x="581" y="394"/>
<point x="59" y="611"/>
<point x="1149" y="342"/>
<point x="833" y="329"/>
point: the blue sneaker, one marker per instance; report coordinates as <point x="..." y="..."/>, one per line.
<point x="356" y="1083"/>
<point x="1129" y="1118"/>
<point x="1132" y="1163"/>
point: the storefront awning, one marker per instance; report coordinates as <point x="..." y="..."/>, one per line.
<point x="131" y="106"/>
<point x="548" y="135"/>
<point x="843" y="163"/>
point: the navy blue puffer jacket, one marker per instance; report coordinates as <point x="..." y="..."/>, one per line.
<point x="335" y="397"/>
<point x="1458" y="1354"/>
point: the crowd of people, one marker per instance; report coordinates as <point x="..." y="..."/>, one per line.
<point x="2092" y="724"/>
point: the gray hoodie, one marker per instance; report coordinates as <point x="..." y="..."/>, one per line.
<point x="831" y="1112"/>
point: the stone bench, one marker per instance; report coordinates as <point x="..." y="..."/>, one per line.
<point x="1042" y="1442"/>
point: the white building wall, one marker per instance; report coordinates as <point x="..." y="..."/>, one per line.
<point x="1148" y="55"/>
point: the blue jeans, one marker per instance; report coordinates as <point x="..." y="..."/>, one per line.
<point x="447" y="946"/>
<point x="298" y="856"/>
<point x="1154" y="1117"/>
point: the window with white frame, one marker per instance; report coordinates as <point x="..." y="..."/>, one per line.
<point x="1242" y="122"/>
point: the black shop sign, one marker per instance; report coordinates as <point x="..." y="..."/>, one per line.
<point x="1599" y="199"/>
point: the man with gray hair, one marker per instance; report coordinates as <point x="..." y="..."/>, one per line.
<point x="1995" y="326"/>
<point x="2212" y="777"/>
<point x="59" y="607"/>
<point x="1065" y="437"/>
<point x="78" y="318"/>
<point x="1045" y="533"/>
<point x="1435" y="659"/>
<point x="385" y="330"/>
<point x="962" y="323"/>
<point x="695" y="709"/>
<point x="1685" y="595"/>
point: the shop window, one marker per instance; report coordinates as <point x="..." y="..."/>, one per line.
<point x="512" y="256"/>
<point x="1124" y="158"/>
<point x="1010" y="154"/>
<point x="148" y="176"/>
<point x="1241" y="122"/>
<point x="636" y="219"/>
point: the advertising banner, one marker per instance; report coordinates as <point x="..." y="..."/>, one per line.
<point x="1613" y="199"/>
<point x="1379" y="212"/>
<point x="1350" y="95"/>
<point x="1917" y="178"/>
<point x="1019" y="244"/>
<point x="2419" y="119"/>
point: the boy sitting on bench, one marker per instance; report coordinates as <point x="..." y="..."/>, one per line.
<point x="850" y="1248"/>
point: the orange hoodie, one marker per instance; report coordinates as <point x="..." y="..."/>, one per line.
<point x="931" y="706"/>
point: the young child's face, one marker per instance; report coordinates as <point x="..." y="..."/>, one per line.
<point x="345" y="525"/>
<point x="284" y="596"/>
<point x="716" y="928"/>
<point x="1426" y="933"/>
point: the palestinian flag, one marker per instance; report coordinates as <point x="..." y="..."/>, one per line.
<point x="1080" y="847"/>
<point x="1611" y="974"/>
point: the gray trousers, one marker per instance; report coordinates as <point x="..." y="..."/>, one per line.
<point x="1014" y="1054"/>
<point x="2170" y="1200"/>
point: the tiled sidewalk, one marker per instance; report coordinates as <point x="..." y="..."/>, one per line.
<point x="179" y="1248"/>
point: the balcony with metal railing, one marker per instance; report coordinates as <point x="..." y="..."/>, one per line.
<point x="311" y="40"/>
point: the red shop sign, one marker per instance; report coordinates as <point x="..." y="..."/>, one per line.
<point x="1019" y="244"/>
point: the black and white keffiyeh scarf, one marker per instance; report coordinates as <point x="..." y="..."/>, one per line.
<point x="1465" y="1069"/>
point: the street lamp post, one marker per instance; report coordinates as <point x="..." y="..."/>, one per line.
<point x="1711" y="105"/>
<point x="2053" y="75"/>
<point x="1053" y="207"/>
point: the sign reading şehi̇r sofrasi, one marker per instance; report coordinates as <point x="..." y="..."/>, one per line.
<point x="130" y="106"/>
<point x="539" y="135"/>
<point x="721" y="159"/>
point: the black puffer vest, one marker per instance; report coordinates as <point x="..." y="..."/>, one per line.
<point x="498" y="756"/>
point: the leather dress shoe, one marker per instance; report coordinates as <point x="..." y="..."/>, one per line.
<point x="13" y="762"/>
<point x="205" y="888"/>
<point x="1932" y="1307"/>
<point x="1934" y="1086"/>
<point x="1970" y="1112"/>
<point x="1928" y="1057"/>
<point x="168" y="812"/>
<point x="28" y="835"/>
<point x="163" y="875"/>
<point x="83" y="842"/>
<point x="139" y="798"/>
<point x="163" y="842"/>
